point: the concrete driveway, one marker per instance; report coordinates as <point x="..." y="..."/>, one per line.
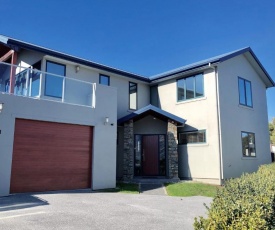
<point x="89" y="210"/>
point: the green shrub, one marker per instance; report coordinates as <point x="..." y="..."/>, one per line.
<point x="247" y="202"/>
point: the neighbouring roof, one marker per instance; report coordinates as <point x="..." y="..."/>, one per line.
<point x="247" y="51"/>
<point x="154" y="111"/>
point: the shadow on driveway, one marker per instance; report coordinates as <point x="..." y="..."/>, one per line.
<point x="20" y="201"/>
<point x="29" y="200"/>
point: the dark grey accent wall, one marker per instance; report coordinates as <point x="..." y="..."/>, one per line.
<point x="150" y="125"/>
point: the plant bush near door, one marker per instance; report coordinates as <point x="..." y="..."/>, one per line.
<point x="247" y="202"/>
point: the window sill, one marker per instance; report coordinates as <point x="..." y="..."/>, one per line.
<point x="246" y="107"/>
<point x="249" y="158"/>
<point x="191" y="100"/>
<point x="195" y="145"/>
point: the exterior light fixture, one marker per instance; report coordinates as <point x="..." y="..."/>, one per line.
<point x="1" y="106"/>
<point x="77" y="68"/>
<point x="106" y="120"/>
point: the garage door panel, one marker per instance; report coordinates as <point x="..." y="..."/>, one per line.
<point x="36" y="156"/>
<point x="50" y="182"/>
<point x="50" y="156"/>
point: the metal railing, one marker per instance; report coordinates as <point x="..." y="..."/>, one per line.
<point x="34" y="83"/>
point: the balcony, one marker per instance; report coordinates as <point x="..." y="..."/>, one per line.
<point x="32" y="83"/>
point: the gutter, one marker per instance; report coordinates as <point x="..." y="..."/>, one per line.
<point x="218" y="122"/>
<point x="186" y="71"/>
<point x="16" y="45"/>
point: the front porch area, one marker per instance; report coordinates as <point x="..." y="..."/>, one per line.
<point x="147" y="146"/>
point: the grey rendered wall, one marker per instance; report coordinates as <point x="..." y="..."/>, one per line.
<point x="104" y="155"/>
<point x="120" y="151"/>
<point x="236" y="118"/>
<point x="121" y="83"/>
<point x="26" y="58"/>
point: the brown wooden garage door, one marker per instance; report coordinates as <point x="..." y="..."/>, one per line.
<point x="50" y="156"/>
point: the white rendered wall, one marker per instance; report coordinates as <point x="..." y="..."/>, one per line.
<point x="104" y="155"/>
<point x="236" y="118"/>
<point x="196" y="161"/>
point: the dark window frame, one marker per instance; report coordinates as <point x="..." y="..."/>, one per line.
<point x="45" y="88"/>
<point x="192" y="132"/>
<point x="136" y="85"/>
<point x="245" y="92"/>
<point x="254" y="137"/>
<point x="194" y="87"/>
<point x="103" y="75"/>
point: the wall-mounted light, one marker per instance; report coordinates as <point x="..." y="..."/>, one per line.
<point x="1" y="106"/>
<point x="77" y="68"/>
<point x="106" y="121"/>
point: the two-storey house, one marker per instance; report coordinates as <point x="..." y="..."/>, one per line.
<point x="69" y="123"/>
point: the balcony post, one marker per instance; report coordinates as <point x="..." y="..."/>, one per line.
<point x="12" y="73"/>
<point x="94" y="95"/>
<point x="63" y="89"/>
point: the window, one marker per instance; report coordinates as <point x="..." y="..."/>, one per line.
<point x="132" y="96"/>
<point x="54" y="84"/>
<point x="248" y="144"/>
<point x="154" y="95"/>
<point x="192" y="137"/>
<point x="104" y="79"/>
<point x="245" y="92"/>
<point x="190" y="87"/>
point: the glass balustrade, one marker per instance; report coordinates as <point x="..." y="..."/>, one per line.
<point x="37" y="84"/>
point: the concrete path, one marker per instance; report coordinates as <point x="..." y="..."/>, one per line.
<point x="152" y="189"/>
<point x="70" y="210"/>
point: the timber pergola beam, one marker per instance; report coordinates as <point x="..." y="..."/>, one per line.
<point x="6" y="56"/>
<point x="13" y="55"/>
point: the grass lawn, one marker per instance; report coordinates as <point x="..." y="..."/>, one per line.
<point x="191" y="189"/>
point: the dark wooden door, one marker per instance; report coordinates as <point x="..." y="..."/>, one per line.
<point x="50" y="156"/>
<point x="150" y="163"/>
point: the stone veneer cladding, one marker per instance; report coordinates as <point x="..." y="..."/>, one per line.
<point x="128" y="160"/>
<point x="172" y="149"/>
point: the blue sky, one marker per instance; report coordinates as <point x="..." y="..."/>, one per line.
<point x="146" y="37"/>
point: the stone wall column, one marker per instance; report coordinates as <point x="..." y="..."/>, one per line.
<point x="173" y="167"/>
<point x="128" y="161"/>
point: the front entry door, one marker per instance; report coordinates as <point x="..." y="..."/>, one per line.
<point x="150" y="155"/>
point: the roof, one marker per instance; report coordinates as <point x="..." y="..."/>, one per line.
<point x="151" y="110"/>
<point x="17" y="44"/>
<point x="217" y="59"/>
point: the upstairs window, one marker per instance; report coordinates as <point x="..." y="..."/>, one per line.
<point x="192" y="137"/>
<point x="104" y="79"/>
<point x="132" y="96"/>
<point x="245" y="92"/>
<point x="190" y="87"/>
<point x="248" y="144"/>
<point x="54" y="84"/>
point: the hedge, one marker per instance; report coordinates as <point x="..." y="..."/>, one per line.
<point x="247" y="202"/>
